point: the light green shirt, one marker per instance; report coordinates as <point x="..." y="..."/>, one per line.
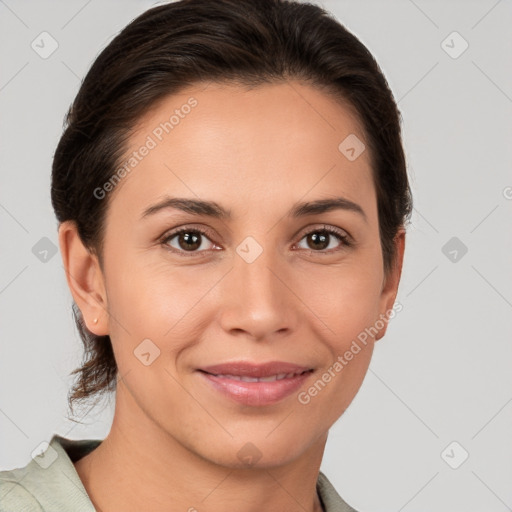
<point x="50" y="482"/>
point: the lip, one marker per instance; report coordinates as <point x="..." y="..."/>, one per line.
<point x="225" y="379"/>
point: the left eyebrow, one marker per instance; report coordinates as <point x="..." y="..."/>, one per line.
<point x="326" y="205"/>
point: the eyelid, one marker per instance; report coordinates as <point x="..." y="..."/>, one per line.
<point x="325" y="227"/>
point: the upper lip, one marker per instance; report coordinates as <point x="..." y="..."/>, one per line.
<point x="248" y="369"/>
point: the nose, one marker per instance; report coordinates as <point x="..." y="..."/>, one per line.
<point x="257" y="300"/>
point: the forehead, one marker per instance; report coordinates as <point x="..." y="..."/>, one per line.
<point x="275" y="141"/>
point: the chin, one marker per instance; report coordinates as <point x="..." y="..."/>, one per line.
<point x="262" y="451"/>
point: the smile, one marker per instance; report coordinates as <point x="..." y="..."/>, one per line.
<point x="256" y="391"/>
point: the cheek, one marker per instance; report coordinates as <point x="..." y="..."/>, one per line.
<point x="348" y="306"/>
<point x="348" y="303"/>
<point x="345" y="299"/>
<point x="156" y="302"/>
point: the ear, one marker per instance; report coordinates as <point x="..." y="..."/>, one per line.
<point x="391" y="282"/>
<point x="85" y="279"/>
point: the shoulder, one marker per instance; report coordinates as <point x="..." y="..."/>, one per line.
<point x="332" y="501"/>
<point x="49" y="482"/>
<point x="14" y="497"/>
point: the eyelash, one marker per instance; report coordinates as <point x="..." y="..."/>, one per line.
<point x="339" y="234"/>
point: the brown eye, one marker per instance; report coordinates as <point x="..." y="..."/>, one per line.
<point x="324" y="240"/>
<point x="187" y="240"/>
<point x="318" y="240"/>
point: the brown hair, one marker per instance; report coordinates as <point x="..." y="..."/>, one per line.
<point x="172" y="46"/>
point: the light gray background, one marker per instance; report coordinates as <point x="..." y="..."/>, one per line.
<point x="442" y="373"/>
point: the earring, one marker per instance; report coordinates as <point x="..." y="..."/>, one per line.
<point x="95" y="321"/>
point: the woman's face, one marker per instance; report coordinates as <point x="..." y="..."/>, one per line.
<point x="262" y="283"/>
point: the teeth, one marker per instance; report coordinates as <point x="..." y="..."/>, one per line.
<point x="270" y="378"/>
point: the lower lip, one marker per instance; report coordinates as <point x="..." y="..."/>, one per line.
<point x="256" y="393"/>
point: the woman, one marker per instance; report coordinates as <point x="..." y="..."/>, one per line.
<point x="231" y="192"/>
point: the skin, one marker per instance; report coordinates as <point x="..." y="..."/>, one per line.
<point x="256" y="152"/>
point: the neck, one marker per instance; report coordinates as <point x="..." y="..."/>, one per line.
<point x="139" y="466"/>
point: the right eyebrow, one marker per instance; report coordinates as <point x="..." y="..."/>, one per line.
<point x="193" y="206"/>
